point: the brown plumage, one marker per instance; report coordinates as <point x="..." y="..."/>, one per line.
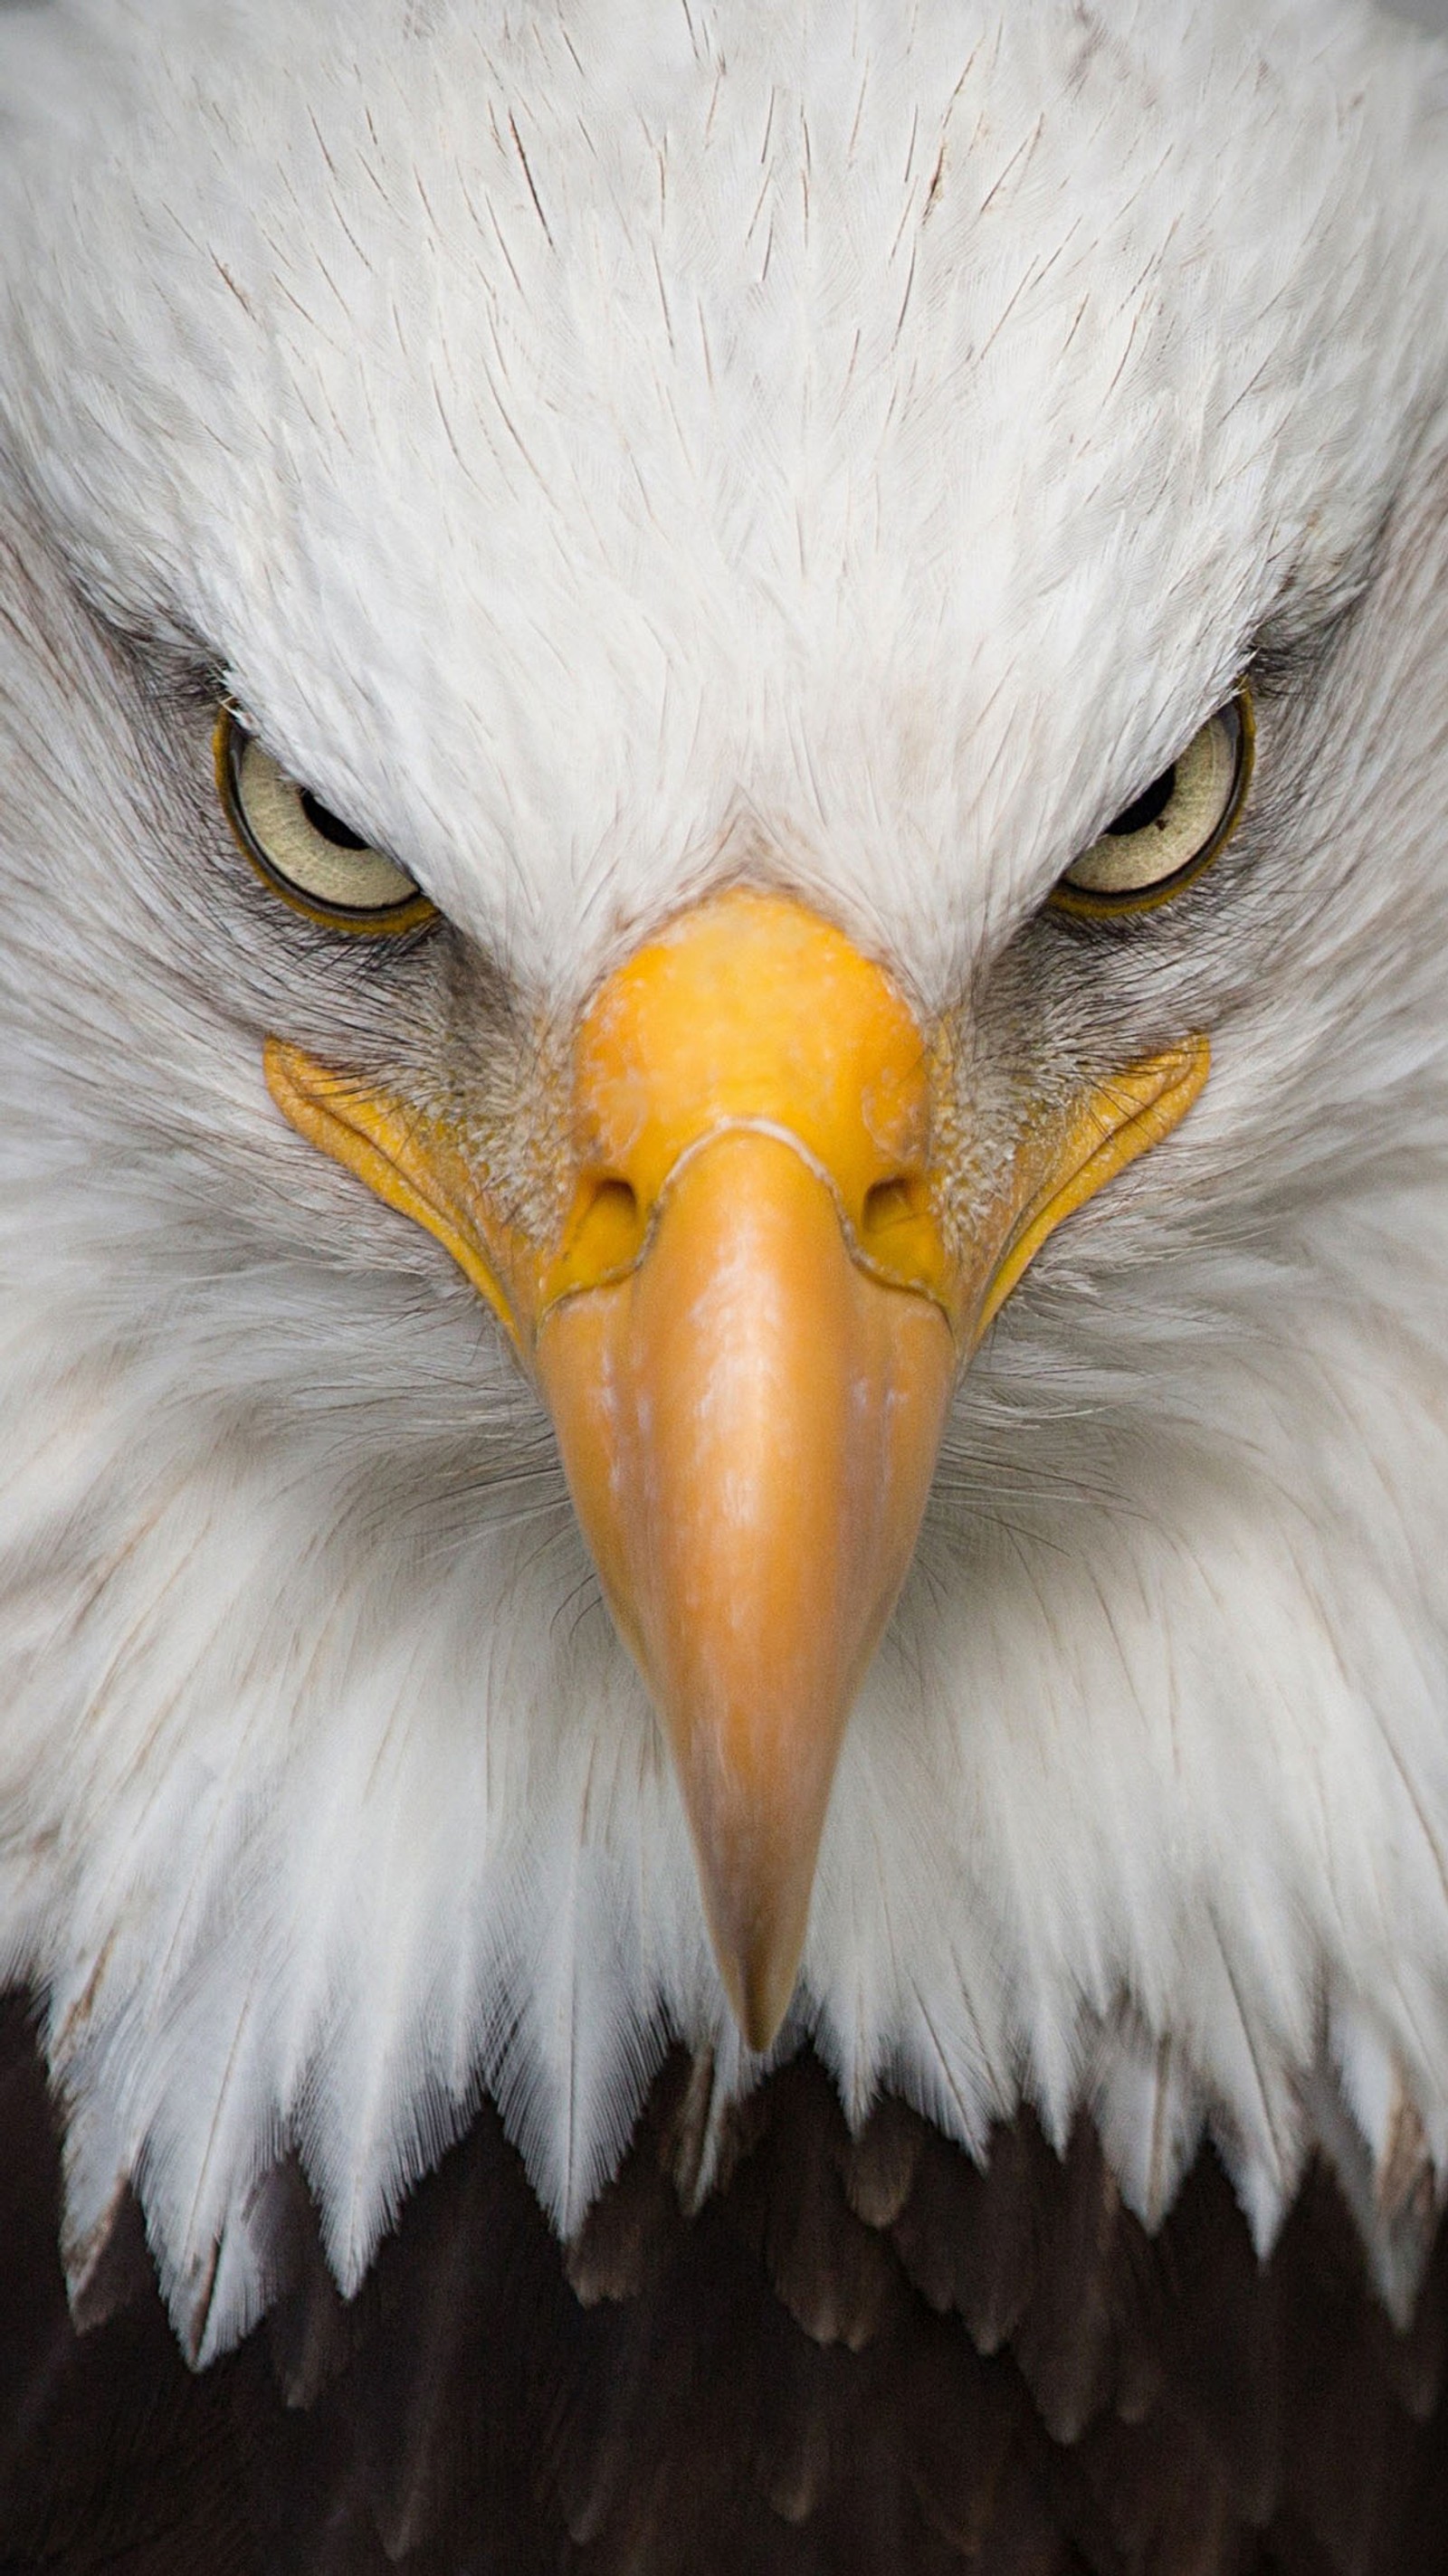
<point x="858" y="2358"/>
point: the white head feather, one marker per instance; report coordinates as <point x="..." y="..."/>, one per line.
<point x="596" y="441"/>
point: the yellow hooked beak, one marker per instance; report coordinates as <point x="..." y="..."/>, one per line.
<point x="747" y="1327"/>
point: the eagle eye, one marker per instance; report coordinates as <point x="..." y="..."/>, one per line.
<point x="1165" y="837"/>
<point x="307" y="855"/>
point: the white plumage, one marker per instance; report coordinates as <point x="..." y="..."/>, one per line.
<point x="609" y="450"/>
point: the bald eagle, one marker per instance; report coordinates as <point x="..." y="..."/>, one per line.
<point x="723" y="1235"/>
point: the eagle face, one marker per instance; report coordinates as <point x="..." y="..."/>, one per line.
<point x="722" y="747"/>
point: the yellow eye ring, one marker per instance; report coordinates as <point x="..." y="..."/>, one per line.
<point x="1193" y="809"/>
<point x="305" y="854"/>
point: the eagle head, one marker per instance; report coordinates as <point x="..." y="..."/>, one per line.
<point x="723" y="743"/>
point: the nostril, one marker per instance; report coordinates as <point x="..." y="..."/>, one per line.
<point x="616" y="1202"/>
<point x="890" y="1203"/>
<point x="609" y="1229"/>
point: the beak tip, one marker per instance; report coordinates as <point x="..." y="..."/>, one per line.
<point x="760" y="2032"/>
<point x="759" y="1979"/>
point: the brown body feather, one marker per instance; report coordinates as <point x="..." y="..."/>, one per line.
<point x="860" y="2358"/>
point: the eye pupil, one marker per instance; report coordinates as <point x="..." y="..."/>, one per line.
<point x="1147" y="809"/>
<point x="322" y="820"/>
